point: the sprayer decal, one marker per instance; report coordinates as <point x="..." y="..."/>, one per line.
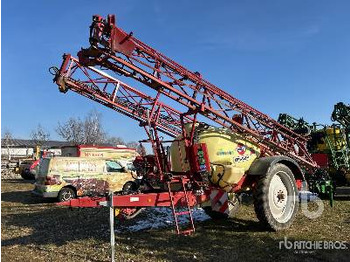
<point x="241" y="149"/>
<point x="239" y="159"/>
<point x="221" y="152"/>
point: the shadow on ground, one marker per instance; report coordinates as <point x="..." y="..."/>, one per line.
<point x="51" y="224"/>
<point x="223" y="240"/>
<point x="24" y="197"/>
<point x="18" y="181"/>
<point x="227" y="240"/>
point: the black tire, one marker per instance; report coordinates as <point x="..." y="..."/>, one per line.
<point x="26" y="175"/>
<point x="276" y="198"/>
<point x="66" y="194"/>
<point x="130" y="187"/>
<point x="234" y="205"/>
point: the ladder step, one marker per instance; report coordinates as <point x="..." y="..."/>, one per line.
<point x="188" y="210"/>
<point x="187" y="231"/>
<point x="182" y="213"/>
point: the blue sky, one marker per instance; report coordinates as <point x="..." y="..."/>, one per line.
<point x="278" y="56"/>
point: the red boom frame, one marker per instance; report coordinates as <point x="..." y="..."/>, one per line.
<point x="113" y="93"/>
<point x="113" y="49"/>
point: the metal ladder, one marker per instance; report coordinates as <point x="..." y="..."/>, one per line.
<point x="177" y="213"/>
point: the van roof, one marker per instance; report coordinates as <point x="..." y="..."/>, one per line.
<point x="80" y="158"/>
<point x="115" y="148"/>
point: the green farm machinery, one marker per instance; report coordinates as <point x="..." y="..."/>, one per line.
<point x="330" y="148"/>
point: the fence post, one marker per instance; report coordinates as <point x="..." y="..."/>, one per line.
<point x="111" y="225"/>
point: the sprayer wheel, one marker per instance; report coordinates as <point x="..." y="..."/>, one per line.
<point x="276" y="198"/>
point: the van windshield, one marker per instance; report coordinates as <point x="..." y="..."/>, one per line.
<point x="113" y="166"/>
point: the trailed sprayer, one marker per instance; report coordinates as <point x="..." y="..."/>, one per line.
<point x="216" y="146"/>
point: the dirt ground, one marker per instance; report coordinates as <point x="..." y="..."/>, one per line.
<point x="37" y="230"/>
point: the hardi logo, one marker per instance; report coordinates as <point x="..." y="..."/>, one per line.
<point x="241" y="149"/>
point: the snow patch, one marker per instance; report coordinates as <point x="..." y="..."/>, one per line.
<point x="154" y="218"/>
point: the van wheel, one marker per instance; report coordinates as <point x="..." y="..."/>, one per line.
<point x="276" y="198"/>
<point x="26" y="175"/>
<point x="130" y="187"/>
<point x="66" y="194"/>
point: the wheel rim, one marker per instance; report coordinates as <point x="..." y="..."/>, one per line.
<point x="67" y="195"/>
<point x="281" y="197"/>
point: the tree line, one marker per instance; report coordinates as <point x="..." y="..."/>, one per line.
<point x="77" y="131"/>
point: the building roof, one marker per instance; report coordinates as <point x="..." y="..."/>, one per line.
<point x="30" y="143"/>
<point x="48" y="144"/>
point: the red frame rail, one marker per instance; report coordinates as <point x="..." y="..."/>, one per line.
<point x="139" y="200"/>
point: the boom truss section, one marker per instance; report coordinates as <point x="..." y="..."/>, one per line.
<point x="113" y="93"/>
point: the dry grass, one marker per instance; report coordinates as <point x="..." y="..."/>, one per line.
<point x="36" y="230"/>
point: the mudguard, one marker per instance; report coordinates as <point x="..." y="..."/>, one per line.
<point x="261" y="165"/>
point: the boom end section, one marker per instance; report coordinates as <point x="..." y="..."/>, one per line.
<point x="58" y="79"/>
<point x="104" y="32"/>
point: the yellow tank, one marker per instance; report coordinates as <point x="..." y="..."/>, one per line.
<point x="229" y="154"/>
<point x="335" y="138"/>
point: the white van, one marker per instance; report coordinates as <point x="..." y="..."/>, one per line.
<point x="65" y="178"/>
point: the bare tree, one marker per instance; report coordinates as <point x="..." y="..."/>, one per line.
<point x="139" y="147"/>
<point x="72" y="131"/>
<point x="132" y="144"/>
<point x="141" y="150"/>
<point x="40" y="135"/>
<point x="8" y="140"/>
<point x="78" y="132"/>
<point x="93" y="131"/>
<point x="115" y="140"/>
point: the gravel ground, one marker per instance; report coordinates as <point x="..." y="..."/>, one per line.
<point x="9" y="174"/>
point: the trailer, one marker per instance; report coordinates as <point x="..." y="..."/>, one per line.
<point x="219" y="146"/>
